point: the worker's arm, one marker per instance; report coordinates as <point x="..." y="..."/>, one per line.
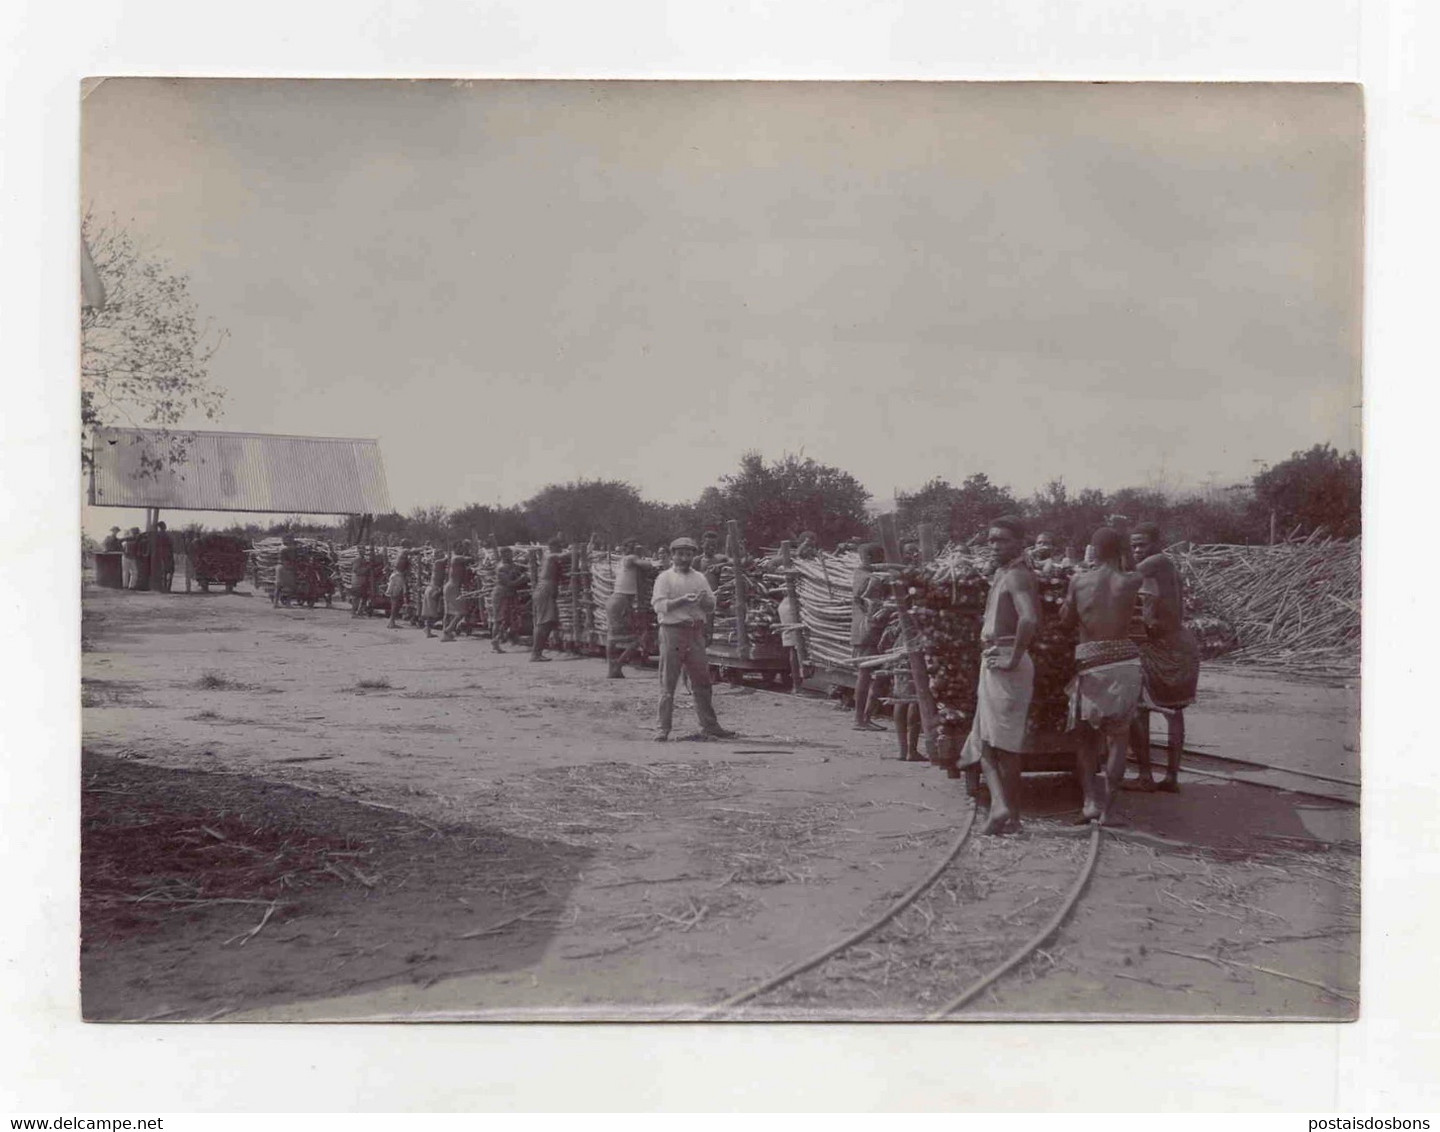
<point x="1068" y="617"/>
<point x="1027" y="614"/>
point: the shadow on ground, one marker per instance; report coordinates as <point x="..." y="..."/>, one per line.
<point x="202" y="893"/>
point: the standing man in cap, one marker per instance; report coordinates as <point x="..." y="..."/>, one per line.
<point x="112" y="543"/>
<point x="682" y="600"/>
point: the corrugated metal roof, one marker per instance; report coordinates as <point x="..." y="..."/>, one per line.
<point x="241" y="471"/>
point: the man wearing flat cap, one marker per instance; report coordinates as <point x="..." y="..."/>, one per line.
<point x="112" y="540"/>
<point x="682" y="600"/>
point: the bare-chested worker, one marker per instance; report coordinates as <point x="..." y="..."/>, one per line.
<point x="1106" y="689"/>
<point x="546" y="600"/>
<point x="509" y="577"/>
<point x="620" y="613"/>
<point x="1169" y="655"/>
<point x="1045" y="551"/>
<point x="711" y="558"/>
<point x="1007" y="675"/>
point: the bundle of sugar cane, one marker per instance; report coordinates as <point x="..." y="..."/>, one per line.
<point x="1293" y="606"/>
<point x="822" y="586"/>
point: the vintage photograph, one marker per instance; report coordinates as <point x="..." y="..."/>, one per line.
<point x="901" y="543"/>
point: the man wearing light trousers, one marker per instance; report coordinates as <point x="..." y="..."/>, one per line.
<point x="682" y="600"/>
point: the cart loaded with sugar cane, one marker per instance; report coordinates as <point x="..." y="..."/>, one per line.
<point x="217" y="559"/>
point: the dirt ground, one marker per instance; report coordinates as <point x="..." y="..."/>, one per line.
<point x="296" y="815"/>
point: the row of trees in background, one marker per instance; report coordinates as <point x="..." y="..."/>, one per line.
<point x="1316" y="490"/>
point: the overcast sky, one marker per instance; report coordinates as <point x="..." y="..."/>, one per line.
<point x="513" y="284"/>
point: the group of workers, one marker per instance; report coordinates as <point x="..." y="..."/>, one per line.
<point x="1124" y="602"/>
<point x="1121" y="675"/>
<point x="154" y="548"/>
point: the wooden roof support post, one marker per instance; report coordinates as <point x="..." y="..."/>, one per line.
<point x="736" y="550"/>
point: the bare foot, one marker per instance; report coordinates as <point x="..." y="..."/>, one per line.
<point x="1168" y="786"/>
<point x="866" y="725"/>
<point x="661" y="736"/>
<point x="998" y="824"/>
<point x="1143" y="784"/>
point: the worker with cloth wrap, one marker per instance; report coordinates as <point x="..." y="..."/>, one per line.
<point x="1007" y="675"/>
<point x="1108" y="679"/>
<point x="1169" y="654"/>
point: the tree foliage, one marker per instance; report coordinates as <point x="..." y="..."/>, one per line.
<point x="145" y="352"/>
<point x="778" y="500"/>
<point x="1314" y="490"/>
<point x="959" y="513"/>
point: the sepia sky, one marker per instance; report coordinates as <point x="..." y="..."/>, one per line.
<point x="513" y="284"/>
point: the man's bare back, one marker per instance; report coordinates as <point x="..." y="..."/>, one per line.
<point x="1103" y="602"/>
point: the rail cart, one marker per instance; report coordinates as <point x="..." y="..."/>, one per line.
<point x="742" y="645"/>
<point x="217" y="559"/>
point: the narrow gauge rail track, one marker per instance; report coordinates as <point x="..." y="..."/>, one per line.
<point x="946" y="863"/>
<point x="1324" y="786"/>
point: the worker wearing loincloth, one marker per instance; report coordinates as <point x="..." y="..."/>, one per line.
<point x="453" y="593"/>
<point x="1106" y="689"/>
<point x="868" y="618"/>
<point x="432" y="603"/>
<point x="508" y="577"/>
<point x="287" y="580"/>
<point x="681" y="599"/>
<point x="621" y="637"/>
<point x="1007" y="675"/>
<point x="399" y="579"/>
<point x="1169" y="655"/>
<point x="546" y="603"/>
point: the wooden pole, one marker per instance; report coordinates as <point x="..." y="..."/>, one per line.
<point x="152" y="516"/>
<point x="575" y="595"/>
<point x="793" y="597"/>
<point x="735" y="548"/>
<point x="888" y="537"/>
<point x="928" y="549"/>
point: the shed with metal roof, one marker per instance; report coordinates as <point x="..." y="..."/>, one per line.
<point x="237" y="471"/>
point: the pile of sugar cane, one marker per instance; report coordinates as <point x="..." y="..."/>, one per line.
<point x="1293" y="606"/>
<point x="823" y="587"/>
